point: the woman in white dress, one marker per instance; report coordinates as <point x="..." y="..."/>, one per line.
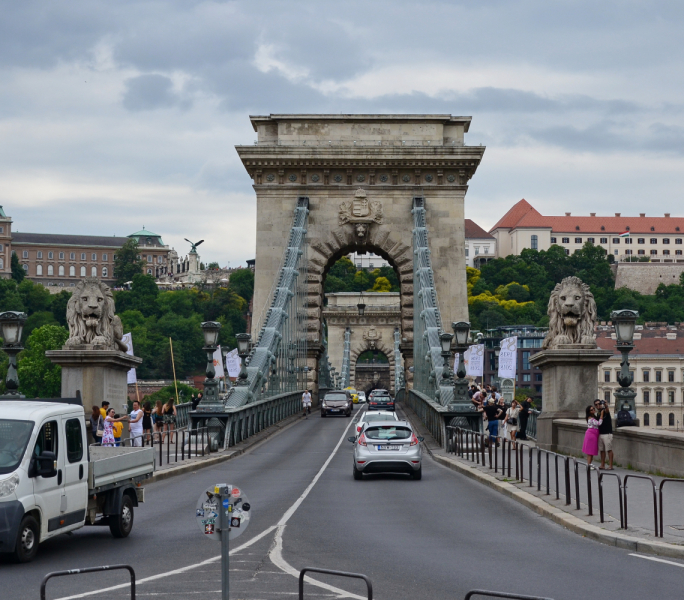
<point x="511" y="420"/>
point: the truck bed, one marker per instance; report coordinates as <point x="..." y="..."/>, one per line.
<point x="109" y="466"/>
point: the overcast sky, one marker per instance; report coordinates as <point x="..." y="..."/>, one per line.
<point x="115" y="115"/>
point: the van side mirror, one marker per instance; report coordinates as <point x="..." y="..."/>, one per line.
<point x="351" y="439"/>
<point x="45" y="465"/>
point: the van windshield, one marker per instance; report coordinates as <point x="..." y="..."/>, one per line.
<point x="14" y="437"/>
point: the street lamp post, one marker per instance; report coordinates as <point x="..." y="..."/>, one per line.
<point x="243" y="342"/>
<point x="210" y="330"/>
<point x="625" y="322"/>
<point x="445" y="341"/>
<point x="361" y="305"/>
<point x="461" y="333"/>
<point x="11" y="326"/>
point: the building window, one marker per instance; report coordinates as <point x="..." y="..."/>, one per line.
<point x="678" y="252"/>
<point x="477" y="250"/>
<point x="534" y="242"/>
<point x="567" y="252"/>
<point x="565" y="241"/>
<point x="628" y="240"/>
<point x="104" y="258"/>
<point x="39" y="269"/>
<point x="641" y="252"/>
<point x="670" y="376"/>
<point x="604" y="240"/>
<point x="486" y="251"/>
<point x="628" y="252"/>
<point x="671" y="396"/>
<point x="159" y="258"/>
<point x="2" y="230"/>
<point x="51" y="270"/>
<point x="83" y="271"/>
<point x="606" y="375"/>
<point x="647" y="420"/>
<point x="654" y="252"/>
<point x="590" y="240"/>
<point x="659" y="397"/>
<point x="149" y="272"/>
<point x="616" y="240"/>
<point x="105" y="271"/>
<point x="654" y="240"/>
<point x="670" y="420"/>
<point x="527" y="377"/>
<point x="666" y="253"/>
<point x="72" y="256"/>
<point x="93" y="271"/>
<point x="51" y="255"/>
<point x="25" y="267"/>
<point x="646" y="374"/>
<point x="82" y="255"/>
<point x="24" y="254"/>
<point x="526" y="361"/>
<point x="577" y="241"/>
<point x="659" y="375"/>
<point x="60" y="270"/>
<point x="606" y="397"/>
<point x="72" y="271"/>
<point x="537" y="376"/>
<point x="647" y="397"/>
<point x="61" y="256"/>
<point x="659" y="420"/>
<point x="666" y="240"/>
<point x="553" y="240"/>
<point x="641" y="241"/>
<point x="678" y="240"/>
<point x="39" y="254"/>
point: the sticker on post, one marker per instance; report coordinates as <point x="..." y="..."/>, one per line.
<point x="235" y="522"/>
<point x="235" y="493"/>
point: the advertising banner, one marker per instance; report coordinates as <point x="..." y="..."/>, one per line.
<point x="508" y="357"/>
<point x="474" y="360"/>
<point x="233" y="363"/>
<point x="218" y="363"/>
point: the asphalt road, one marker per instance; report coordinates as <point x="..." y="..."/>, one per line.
<point x="432" y="539"/>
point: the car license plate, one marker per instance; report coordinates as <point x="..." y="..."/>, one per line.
<point x="389" y="447"/>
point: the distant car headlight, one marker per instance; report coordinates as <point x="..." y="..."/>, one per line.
<point x="324" y="405"/>
<point x="7" y="486"/>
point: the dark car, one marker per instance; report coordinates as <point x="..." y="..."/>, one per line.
<point x="381" y="401"/>
<point x="337" y="403"/>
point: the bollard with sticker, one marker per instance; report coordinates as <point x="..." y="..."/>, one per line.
<point x="223" y="513"/>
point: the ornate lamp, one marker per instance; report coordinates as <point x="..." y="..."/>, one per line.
<point x="210" y="330"/>
<point x="243" y="341"/>
<point x="12" y="326"/>
<point x="625" y="322"/>
<point x="445" y="341"/>
<point x="361" y="306"/>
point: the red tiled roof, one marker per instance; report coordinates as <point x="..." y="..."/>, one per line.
<point x="474" y="231"/>
<point x="648" y="344"/>
<point x="523" y="214"/>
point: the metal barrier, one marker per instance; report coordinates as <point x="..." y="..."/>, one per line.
<point x="577" y="490"/>
<point x="469" y="595"/>
<point x="369" y="584"/>
<point x="430" y="413"/>
<point x="89" y="570"/>
<point x="655" y="501"/>
<point x="601" y="475"/>
<point x="660" y="498"/>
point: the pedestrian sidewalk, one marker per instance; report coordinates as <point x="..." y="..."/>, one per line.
<point x="640" y="535"/>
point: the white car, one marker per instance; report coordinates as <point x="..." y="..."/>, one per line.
<point x="362" y="397"/>
<point x="369" y="417"/>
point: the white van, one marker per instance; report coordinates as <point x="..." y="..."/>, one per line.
<point x="50" y="485"/>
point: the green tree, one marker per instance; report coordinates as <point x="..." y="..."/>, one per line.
<point x="18" y="272"/>
<point x="382" y="284"/>
<point x="10" y="299"/>
<point x="34" y="296"/>
<point x="213" y="265"/>
<point x="38" y="377"/>
<point x="242" y="283"/>
<point x="127" y="262"/>
<point x="58" y="306"/>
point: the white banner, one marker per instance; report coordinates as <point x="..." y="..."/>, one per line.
<point x="218" y="363"/>
<point x="508" y="357"/>
<point x="475" y="360"/>
<point x="233" y="363"/>
<point x="127" y="339"/>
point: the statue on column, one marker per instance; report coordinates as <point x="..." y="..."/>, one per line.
<point x="572" y="315"/>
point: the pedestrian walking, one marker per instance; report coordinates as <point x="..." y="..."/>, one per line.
<point x="147" y="421"/>
<point x="512" y="417"/>
<point x="135" y="424"/>
<point x="170" y="418"/>
<point x="503" y="430"/>
<point x="306" y="403"/>
<point x="96" y="425"/>
<point x="525" y="406"/>
<point x="591" y="436"/>
<point x="492" y="412"/>
<point x="605" y="434"/>
<point x="158" y="417"/>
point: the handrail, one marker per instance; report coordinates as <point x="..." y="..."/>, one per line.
<point x="601" y="475"/>
<point x="589" y="495"/>
<point x="369" y="583"/>
<point x="655" y="501"/>
<point x="88" y="570"/>
<point x="660" y="497"/>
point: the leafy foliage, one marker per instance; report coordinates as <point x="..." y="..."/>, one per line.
<point x="185" y="392"/>
<point x="344" y="277"/>
<point x="127" y="262"/>
<point x="38" y="377"/>
<point x="18" y="272"/>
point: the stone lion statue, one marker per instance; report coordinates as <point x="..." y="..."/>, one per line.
<point x="572" y="314"/>
<point x="91" y="318"/>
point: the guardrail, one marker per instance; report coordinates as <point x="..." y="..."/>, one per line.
<point x="88" y="570"/>
<point x="475" y="447"/>
<point x="431" y="413"/>
<point x="531" y="429"/>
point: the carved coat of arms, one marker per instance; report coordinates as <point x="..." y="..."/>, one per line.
<point x="360" y="212"/>
<point x="372" y="336"/>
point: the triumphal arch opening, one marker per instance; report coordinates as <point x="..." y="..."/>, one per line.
<point x="361" y="176"/>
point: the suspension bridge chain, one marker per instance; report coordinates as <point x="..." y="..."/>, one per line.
<point x="346" y="361"/>
<point x="427" y="321"/>
<point x="398" y="369"/>
<point x="277" y="362"/>
<point x="325" y="377"/>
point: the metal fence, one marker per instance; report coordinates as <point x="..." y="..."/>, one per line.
<point x="552" y="472"/>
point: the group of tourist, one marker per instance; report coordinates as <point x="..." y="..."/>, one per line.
<point x="107" y="426"/>
<point x="508" y="421"/>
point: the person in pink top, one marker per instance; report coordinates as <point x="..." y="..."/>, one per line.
<point x="591" y="436"/>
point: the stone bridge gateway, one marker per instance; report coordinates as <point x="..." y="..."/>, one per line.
<point x="360" y="174"/>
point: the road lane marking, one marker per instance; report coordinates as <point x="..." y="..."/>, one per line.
<point x="660" y="560"/>
<point x="285" y="518"/>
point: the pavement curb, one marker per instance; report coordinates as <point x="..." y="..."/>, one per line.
<point x="558" y="516"/>
<point x="240" y="449"/>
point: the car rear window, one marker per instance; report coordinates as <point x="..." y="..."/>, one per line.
<point x="387" y="432"/>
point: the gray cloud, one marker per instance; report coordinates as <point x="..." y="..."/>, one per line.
<point x="148" y="92"/>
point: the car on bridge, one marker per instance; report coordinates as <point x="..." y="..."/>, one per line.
<point x="370" y="417"/>
<point x="337" y="403"/>
<point x="381" y="400"/>
<point x="362" y="397"/>
<point x="387" y="447"/>
<point x="354" y="394"/>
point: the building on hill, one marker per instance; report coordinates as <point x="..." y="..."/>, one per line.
<point x="480" y="246"/>
<point x="368" y="260"/>
<point x="657" y="367"/>
<point x="653" y="239"/>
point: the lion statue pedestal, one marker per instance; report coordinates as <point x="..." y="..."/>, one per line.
<point x="94" y="360"/>
<point x="569" y="358"/>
